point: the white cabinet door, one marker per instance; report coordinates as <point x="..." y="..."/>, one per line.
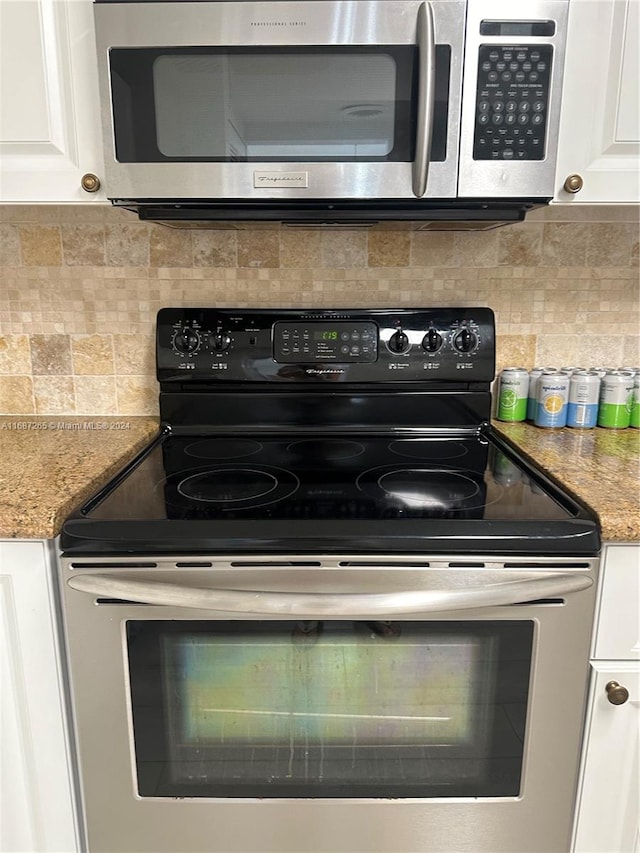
<point x="609" y="796"/>
<point x="599" y="137"/>
<point x="37" y="808"/>
<point x="617" y="634"/>
<point x="49" y="114"/>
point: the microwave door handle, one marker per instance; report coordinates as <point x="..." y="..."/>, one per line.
<point x="426" y="97"/>
<point x="302" y="605"/>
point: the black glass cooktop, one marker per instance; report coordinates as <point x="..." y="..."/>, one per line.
<point x="300" y="493"/>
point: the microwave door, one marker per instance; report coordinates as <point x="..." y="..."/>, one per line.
<point x="361" y="103"/>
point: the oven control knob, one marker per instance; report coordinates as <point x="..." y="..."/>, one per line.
<point x="464" y="340"/>
<point x="186" y="341"/>
<point x="221" y="341"/>
<point x="398" y="342"/>
<point x="432" y="341"/>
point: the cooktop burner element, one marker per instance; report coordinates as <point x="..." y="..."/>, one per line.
<point x="329" y="449"/>
<point x="427" y="488"/>
<point x="278" y="443"/>
<point x="428" y="448"/>
<point x="223" y="448"/>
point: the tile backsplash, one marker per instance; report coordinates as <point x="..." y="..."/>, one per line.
<point x="80" y="287"/>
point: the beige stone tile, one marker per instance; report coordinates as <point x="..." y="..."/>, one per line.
<point x="135" y="354"/>
<point x="89" y="213"/>
<point x="83" y="245"/>
<point x="388" y="249"/>
<point x="95" y="395"/>
<point x="215" y="249"/>
<point x="92" y="354"/>
<point x="40" y="245"/>
<point x="300" y="248"/>
<point x="127" y="245"/>
<point x="258" y="249"/>
<point x="580" y="350"/>
<point x="476" y="249"/>
<point x="343" y="249"/>
<point x="54" y="395"/>
<point x="50" y="354"/>
<point x="610" y="245"/>
<point x="9" y="246"/>
<point x="14" y="355"/>
<point x="515" y="351"/>
<point x="169" y="247"/>
<point x="564" y="244"/>
<point x="630" y="351"/>
<point x="137" y="395"/>
<point x="520" y="245"/>
<point x="16" y="395"/>
<point x="432" y="249"/>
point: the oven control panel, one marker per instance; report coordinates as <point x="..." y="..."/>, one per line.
<point x="359" y="345"/>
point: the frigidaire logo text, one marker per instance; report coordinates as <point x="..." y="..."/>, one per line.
<point x="315" y="372"/>
<point x="278" y="23"/>
<point x="275" y="179"/>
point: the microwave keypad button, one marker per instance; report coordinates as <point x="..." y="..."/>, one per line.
<point x="512" y="96"/>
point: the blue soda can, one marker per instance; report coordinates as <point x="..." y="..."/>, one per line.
<point x="532" y="399"/>
<point x="553" y="396"/>
<point x="584" y="394"/>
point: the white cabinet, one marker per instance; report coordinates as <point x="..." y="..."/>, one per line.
<point x="49" y="113"/>
<point x="36" y="777"/>
<point x="599" y="137"/>
<point x="608" y="807"/>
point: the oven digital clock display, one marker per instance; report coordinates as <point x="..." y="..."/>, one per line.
<point x="345" y="342"/>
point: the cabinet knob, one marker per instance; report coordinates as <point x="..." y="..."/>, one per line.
<point x="90" y="183"/>
<point x="573" y="184"/>
<point x="616" y="693"/>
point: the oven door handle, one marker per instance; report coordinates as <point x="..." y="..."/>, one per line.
<point x="425" y="38"/>
<point x="346" y="605"/>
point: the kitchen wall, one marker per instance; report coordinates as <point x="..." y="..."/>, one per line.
<point x="80" y="287"/>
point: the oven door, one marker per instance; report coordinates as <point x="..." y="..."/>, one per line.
<point x="412" y="708"/>
<point x="324" y="99"/>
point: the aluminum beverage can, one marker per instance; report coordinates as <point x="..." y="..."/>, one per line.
<point x="571" y="370"/>
<point x="615" y="400"/>
<point x="635" y="403"/>
<point x="633" y="370"/>
<point x="553" y="396"/>
<point x="512" y="396"/>
<point x="601" y="371"/>
<point x="532" y="400"/>
<point x="584" y="394"/>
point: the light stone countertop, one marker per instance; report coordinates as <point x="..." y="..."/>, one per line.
<point x="51" y="465"/>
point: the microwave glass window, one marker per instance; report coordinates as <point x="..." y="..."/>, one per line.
<point x="329" y="709"/>
<point x="309" y="104"/>
<point x="279" y="105"/>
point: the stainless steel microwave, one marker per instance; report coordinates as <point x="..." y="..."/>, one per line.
<point x="331" y="110"/>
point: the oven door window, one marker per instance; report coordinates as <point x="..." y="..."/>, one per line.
<point x="329" y="709"/>
<point x="311" y="104"/>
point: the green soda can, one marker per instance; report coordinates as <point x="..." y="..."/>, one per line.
<point x="635" y="403"/>
<point x="616" y="392"/>
<point x="512" y="397"/>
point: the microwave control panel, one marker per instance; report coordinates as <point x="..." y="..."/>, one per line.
<point x="512" y="102"/>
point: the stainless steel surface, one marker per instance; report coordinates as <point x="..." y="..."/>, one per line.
<point x="314" y="22"/>
<point x="426" y="95"/>
<point x="96" y="639"/>
<point x="485" y="590"/>
<point x="616" y="693"/>
<point x="504" y="179"/>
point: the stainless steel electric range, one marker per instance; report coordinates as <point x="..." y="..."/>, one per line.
<point x="328" y="608"/>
